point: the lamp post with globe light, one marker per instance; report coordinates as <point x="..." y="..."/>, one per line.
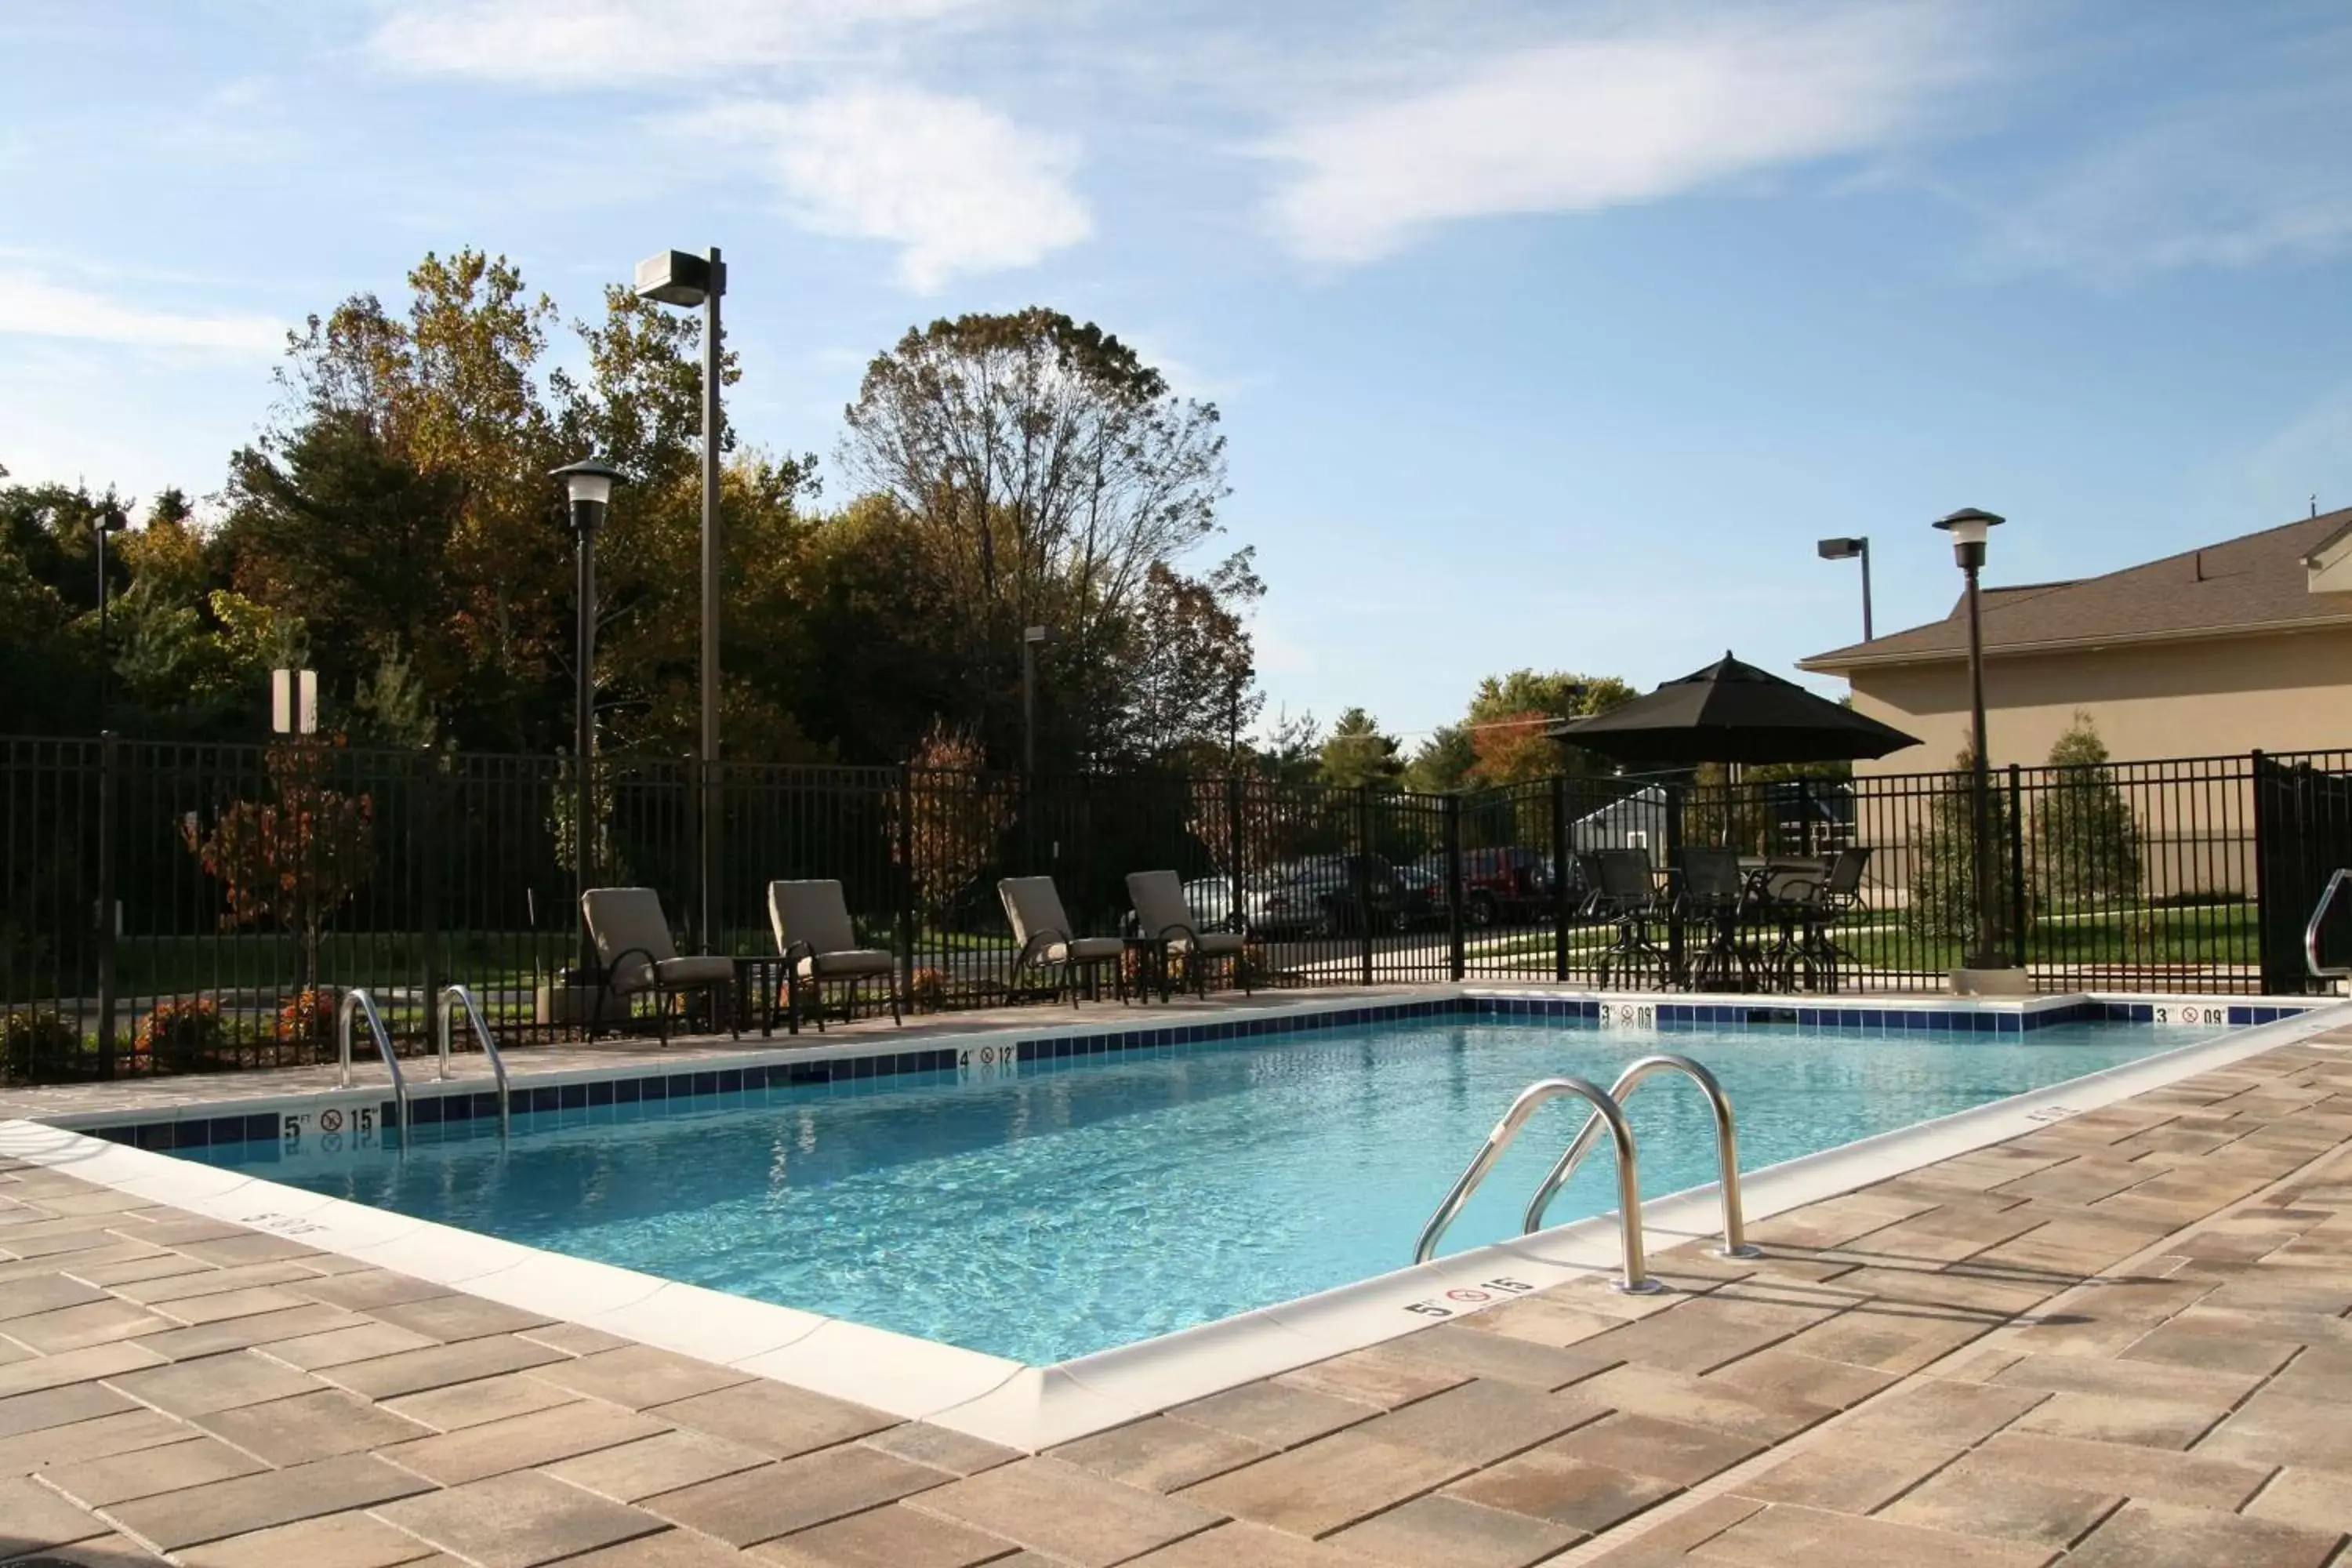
<point x="1968" y="527"/>
<point x="588" y="487"/>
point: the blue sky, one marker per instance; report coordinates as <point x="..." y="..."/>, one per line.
<point x="1545" y="335"/>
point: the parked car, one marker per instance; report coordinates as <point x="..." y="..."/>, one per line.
<point x="1505" y="884"/>
<point x="1336" y="895"/>
<point x="1211" y="899"/>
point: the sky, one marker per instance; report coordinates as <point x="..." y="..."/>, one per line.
<point x="1544" y="334"/>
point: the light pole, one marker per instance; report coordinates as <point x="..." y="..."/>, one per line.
<point x="588" y="485"/>
<point x="1032" y="639"/>
<point x="681" y="277"/>
<point x="1848" y="550"/>
<point x="110" y="520"/>
<point x="1968" y="528"/>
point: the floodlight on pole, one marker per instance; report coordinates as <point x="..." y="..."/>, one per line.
<point x="1032" y="639"/>
<point x="1850" y="550"/>
<point x="110" y="520"/>
<point x="683" y="279"/>
<point x="1968" y="527"/>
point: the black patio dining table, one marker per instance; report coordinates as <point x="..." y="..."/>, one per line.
<point x="1777" y="895"/>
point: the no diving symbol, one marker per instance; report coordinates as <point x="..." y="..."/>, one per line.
<point x="1466" y="1295"/>
<point x="330" y="1120"/>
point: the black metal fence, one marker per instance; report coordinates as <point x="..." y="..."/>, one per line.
<point x="178" y="908"/>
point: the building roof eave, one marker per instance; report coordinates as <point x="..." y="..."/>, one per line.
<point x="1837" y="661"/>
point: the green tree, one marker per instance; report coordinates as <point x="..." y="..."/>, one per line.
<point x="2087" y="843"/>
<point x="1357" y="755"/>
<point x="1443" y="761"/>
<point x="1943" y="880"/>
<point x="294" y="858"/>
<point x="1049" y="477"/>
<point x="1509" y="718"/>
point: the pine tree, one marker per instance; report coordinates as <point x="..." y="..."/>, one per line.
<point x="2085" y="840"/>
<point x="1943" y="885"/>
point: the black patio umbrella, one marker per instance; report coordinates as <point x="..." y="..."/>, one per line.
<point x="1732" y="712"/>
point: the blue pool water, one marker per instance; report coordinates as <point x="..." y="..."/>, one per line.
<point x="1095" y="1201"/>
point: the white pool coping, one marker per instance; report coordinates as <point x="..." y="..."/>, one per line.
<point x="1033" y="1408"/>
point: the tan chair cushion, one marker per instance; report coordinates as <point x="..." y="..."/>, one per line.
<point x="849" y="964"/>
<point x="1085" y="949"/>
<point x="626" y="924"/>
<point x="700" y="971"/>
<point x="814" y="912"/>
<point x="1212" y="943"/>
<point x="1158" y="901"/>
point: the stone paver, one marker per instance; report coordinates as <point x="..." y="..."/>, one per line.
<point x="2120" y="1339"/>
<point x="355" y="1539"/>
<point x="247" y="1503"/>
<point x="752" y="1506"/>
<point x="1440" y="1531"/>
<point x="522" y="1442"/>
<point x="890" y="1537"/>
<point x="667" y="1463"/>
<point x="1067" y="1512"/>
<point x="517" y="1520"/>
<point x="2153" y="1535"/>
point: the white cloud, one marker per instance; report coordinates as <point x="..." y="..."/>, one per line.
<point x="2250" y="175"/>
<point x="29" y="305"/>
<point x="956" y="185"/>
<point x="584" y="43"/>
<point x="2306" y="465"/>
<point x="1608" y="120"/>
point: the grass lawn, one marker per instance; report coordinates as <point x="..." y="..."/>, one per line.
<point x="2136" y="934"/>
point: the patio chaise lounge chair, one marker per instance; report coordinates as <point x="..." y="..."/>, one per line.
<point x="1166" y="921"/>
<point x="635" y="954"/>
<point x="1034" y="905"/>
<point x="818" y="944"/>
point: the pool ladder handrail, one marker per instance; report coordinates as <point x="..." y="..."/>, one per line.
<point x="1634" y="1278"/>
<point x="2311" y="930"/>
<point x="1727" y="1147"/>
<point x="357" y="1000"/>
<point x="453" y="997"/>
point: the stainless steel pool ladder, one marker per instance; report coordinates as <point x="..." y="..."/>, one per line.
<point x="1635" y="1276"/>
<point x="357" y="1000"/>
<point x="1727" y="1147"/>
<point x="453" y="998"/>
<point x="1607" y="1111"/>
<point x="2311" y="930"/>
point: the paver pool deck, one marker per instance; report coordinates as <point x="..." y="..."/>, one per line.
<point x="2125" y="1338"/>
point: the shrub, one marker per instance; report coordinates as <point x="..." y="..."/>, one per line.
<point x="1943" y="882"/>
<point x="35" y="1044"/>
<point x="927" y="991"/>
<point x="181" y="1032"/>
<point x="2086" y="844"/>
<point x="308" y="1019"/>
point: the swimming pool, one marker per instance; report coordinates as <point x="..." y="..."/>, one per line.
<point x="1065" y="1206"/>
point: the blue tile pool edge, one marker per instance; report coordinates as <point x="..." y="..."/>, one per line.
<point x="197" y="1127"/>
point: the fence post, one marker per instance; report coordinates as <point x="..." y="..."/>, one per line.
<point x="1674" y="969"/>
<point x="1563" y="877"/>
<point x="1364" y="880"/>
<point x="2016" y="865"/>
<point x="1454" y="942"/>
<point x="428" y="880"/>
<point x="1235" y="910"/>
<point x="105" y="913"/>
<point x="907" y="881"/>
<point x="2267" y="971"/>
